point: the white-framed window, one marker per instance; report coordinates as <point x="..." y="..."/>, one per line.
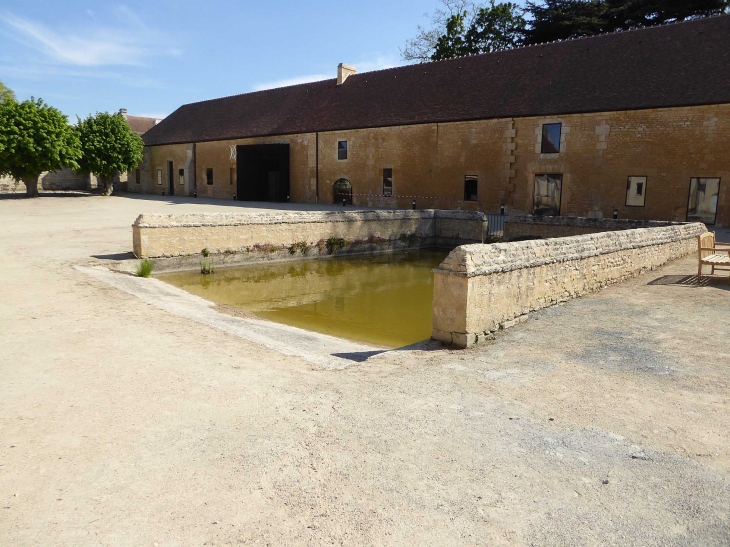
<point x="159" y="177"/>
<point x="636" y="191"/>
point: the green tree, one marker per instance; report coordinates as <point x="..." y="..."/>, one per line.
<point x="561" y="19"/>
<point x="491" y="28"/>
<point x="109" y="147"/>
<point x="6" y="93"/>
<point x="496" y="27"/>
<point x="34" y="138"/>
<point x="452" y="42"/>
<point x="466" y="28"/>
<point x="625" y="14"/>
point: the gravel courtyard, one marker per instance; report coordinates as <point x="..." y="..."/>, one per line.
<point x="605" y="421"/>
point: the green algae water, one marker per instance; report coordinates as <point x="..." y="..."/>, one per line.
<point x="383" y="299"/>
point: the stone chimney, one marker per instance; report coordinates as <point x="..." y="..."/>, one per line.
<point x="123" y="112"/>
<point x="344" y="71"/>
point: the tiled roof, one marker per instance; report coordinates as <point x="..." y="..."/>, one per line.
<point x="680" y="64"/>
<point x="141" y="125"/>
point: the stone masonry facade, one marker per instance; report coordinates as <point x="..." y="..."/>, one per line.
<point x="597" y="153"/>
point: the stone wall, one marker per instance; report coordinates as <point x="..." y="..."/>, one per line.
<point x="62" y="180"/>
<point x="543" y="227"/>
<point x="480" y="288"/>
<point x="180" y="235"/>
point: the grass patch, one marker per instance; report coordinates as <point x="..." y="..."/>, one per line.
<point x="144" y="269"/>
<point x="207" y="267"/>
<point x="205" y="252"/>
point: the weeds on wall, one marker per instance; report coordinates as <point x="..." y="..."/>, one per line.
<point x="207" y="266"/>
<point x="266" y="248"/>
<point x="205" y="252"/>
<point x="298" y="247"/>
<point x="335" y="244"/>
<point x="144" y="269"/>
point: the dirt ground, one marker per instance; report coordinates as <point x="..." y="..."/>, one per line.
<point x="131" y="415"/>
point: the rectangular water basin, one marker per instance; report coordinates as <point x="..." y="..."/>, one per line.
<point x="384" y="299"/>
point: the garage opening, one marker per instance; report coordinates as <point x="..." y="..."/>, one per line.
<point x="263" y="172"/>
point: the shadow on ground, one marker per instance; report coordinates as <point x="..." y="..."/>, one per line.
<point x="362" y="356"/>
<point x="692" y="281"/>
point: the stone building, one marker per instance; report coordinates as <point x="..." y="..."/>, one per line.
<point x="636" y="122"/>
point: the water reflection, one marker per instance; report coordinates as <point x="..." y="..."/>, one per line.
<point x="382" y="299"/>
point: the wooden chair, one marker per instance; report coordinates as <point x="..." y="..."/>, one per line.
<point x="712" y="255"/>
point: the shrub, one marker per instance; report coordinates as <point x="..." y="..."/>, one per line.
<point x="144" y="269"/>
<point x="207" y="267"/>
<point x="205" y="252"/>
<point x="299" y="246"/>
<point x="334" y="244"/>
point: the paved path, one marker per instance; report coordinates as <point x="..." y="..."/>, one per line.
<point x="602" y="421"/>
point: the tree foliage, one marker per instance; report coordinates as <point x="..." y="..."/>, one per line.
<point x="462" y="27"/>
<point x="34" y="138"/>
<point x="109" y="147"/>
<point x="489" y="28"/>
<point x="562" y="19"/>
<point x="6" y="93"/>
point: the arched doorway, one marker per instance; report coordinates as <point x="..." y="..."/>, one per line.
<point x="342" y="189"/>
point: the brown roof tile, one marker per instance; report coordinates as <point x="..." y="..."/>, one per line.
<point x="673" y="65"/>
<point x="141" y="125"/>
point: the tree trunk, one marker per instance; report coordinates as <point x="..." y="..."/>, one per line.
<point x="31" y="185"/>
<point x="106" y="185"/>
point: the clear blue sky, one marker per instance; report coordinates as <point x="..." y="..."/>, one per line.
<point x="152" y="56"/>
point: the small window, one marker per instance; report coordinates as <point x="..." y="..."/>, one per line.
<point x="471" y="182"/>
<point x="232" y="175"/>
<point x="209" y="176"/>
<point x="387" y="182"/>
<point x="137" y="176"/>
<point x="341" y="150"/>
<point x="551" y="138"/>
<point x="181" y="176"/>
<point x="159" y="177"/>
<point x="636" y="191"/>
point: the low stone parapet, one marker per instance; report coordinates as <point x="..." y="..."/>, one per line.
<point x="480" y="288"/>
<point x="180" y="235"/>
<point x="542" y="227"/>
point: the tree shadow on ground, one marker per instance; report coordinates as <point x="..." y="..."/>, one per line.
<point x="48" y="195"/>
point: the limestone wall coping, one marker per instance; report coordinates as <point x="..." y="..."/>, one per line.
<point x="586" y="222"/>
<point x="296" y="217"/>
<point x="479" y="259"/>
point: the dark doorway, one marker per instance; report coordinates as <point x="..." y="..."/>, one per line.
<point x="263" y="172"/>
<point x="171" y="178"/>
<point x="342" y="190"/>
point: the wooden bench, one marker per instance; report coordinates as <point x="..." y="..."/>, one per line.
<point x="712" y="255"/>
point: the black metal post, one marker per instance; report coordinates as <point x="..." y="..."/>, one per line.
<point x="414" y="204"/>
<point x="615" y="214"/>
